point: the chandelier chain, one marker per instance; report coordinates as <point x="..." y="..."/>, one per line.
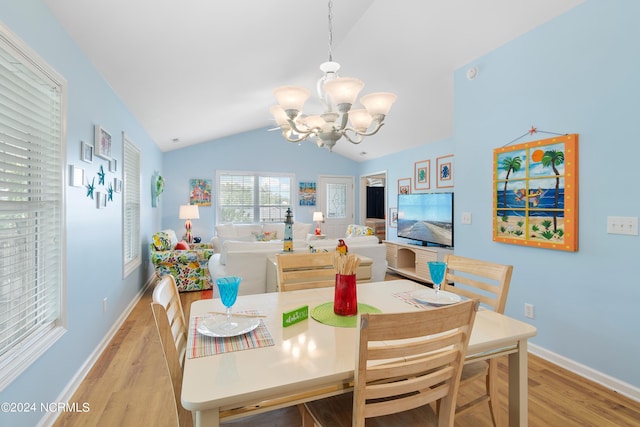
<point x="330" y="30"/>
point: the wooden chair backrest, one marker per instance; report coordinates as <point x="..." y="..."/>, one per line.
<point x="414" y="373"/>
<point x="185" y="418"/>
<point x="306" y="271"/>
<point x="166" y="294"/>
<point x="485" y="281"/>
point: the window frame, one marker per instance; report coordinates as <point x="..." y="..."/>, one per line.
<point x="256" y="194"/>
<point x="130" y="264"/>
<point x="22" y="354"/>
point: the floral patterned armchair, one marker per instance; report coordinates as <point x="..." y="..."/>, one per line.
<point x="188" y="267"/>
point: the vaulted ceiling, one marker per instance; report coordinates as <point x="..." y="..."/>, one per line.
<point x="199" y="70"/>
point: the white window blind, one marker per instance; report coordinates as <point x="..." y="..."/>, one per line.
<point x="252" y="197"/>
<point x="32" y="104"/>
<point x="131" y="207"/>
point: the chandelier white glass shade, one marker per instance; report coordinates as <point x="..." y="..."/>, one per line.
<point x="338" y="95"/>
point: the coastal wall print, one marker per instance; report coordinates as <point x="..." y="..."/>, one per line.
<point x="535" y="193"/>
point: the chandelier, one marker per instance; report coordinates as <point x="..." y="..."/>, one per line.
<point x="337" y="94"/>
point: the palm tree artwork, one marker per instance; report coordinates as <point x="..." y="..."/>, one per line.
<point x="554" y="158"/>
<point x="535" y="193"/>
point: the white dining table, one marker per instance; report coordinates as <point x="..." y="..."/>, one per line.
<point x="310" y="359"/>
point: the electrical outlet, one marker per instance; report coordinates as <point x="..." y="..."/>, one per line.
<point x="104" y="305"/>
<point x="466" y="217"/>
<point x="528" y="310"/>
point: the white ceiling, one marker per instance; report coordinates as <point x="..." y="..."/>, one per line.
<point x="199" y="70"/>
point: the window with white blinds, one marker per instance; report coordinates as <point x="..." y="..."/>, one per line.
<point x="253" y="197"/>
<point x="131" y="208"/>
<point x="32" y="243"/>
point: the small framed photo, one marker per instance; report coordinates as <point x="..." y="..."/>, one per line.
<point x="113" y="165"/>
<point x="117" y="185"/>
<point x="76" y="176"/>
<point x="404" y="186"/>
<point x="86" y="152"/>
<point x="444" y="167"/>
<point x="393" y="217"/>
<point x="102" y="143"/>
<point x="422" y="170"/>
<point x="101" y="199"/>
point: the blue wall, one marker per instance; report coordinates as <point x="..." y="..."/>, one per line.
<point x="252" y="151"/>
<point x="94" y="243"/>
<point x="579" y="73"/>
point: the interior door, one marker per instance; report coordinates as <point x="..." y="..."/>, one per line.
<point x="336" y="200"/>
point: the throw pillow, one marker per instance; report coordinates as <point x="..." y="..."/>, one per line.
<point x="182" y="246"/>
<point x="161" y="241"/>
<point x="265" y="236"/>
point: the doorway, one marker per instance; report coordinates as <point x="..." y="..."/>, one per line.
<point x="374" y="186"/>
<point x="335" y="200"/>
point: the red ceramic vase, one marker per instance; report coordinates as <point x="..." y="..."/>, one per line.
<point x="345" y="300"/>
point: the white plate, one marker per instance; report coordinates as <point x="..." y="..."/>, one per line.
<point x="215" y="326"/>
<point x="428" y="296"/>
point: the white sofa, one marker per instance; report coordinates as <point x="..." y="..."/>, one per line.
<point x="238" y="253"/>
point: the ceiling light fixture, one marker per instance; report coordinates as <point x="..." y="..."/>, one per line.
<point x="338" y="95"/>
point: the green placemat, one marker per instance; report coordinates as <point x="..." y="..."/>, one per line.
<point x="323" y="313"/>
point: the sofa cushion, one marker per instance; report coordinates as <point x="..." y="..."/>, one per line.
<point x="274" y="227"/>
<point x="359" y="230"/>
<point x="300" y="230"/>
<point x="182" y="246"/>
<point x="265" y="236"/>
<point x="225" y="231"/>
<point x="223" y="245"/>
<point x="244" y="230"/>
<point x="164" y="240"/>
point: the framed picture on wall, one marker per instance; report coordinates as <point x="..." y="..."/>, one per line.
<point x="535" y="193"/>
<point x="444" y="167"/>
<point x="404" y="186"/>
<point x="393" y="217"/>
<point x="307" y="193"/>
<point x="421" y="172"/>
<point x="86" y="152"/>
<point x="200" y="192"/>
<point x="102" y="143"/>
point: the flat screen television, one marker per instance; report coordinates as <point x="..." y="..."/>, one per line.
<point x="426" y="218"/>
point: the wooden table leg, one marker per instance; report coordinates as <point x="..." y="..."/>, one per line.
<point x="518" y="382"/>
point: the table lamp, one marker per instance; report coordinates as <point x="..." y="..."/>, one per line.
<point x="318" y="218"/>
<point x="188" y="212"/>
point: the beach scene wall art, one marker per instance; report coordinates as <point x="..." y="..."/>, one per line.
<point x="535" y="193"/>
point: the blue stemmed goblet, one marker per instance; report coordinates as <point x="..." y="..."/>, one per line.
<point x="228" y="287"/>
<point x="437" y="270"/>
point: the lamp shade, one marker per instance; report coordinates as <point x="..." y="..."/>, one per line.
<point x="291" y="97"/>
<point x="344" y="90"/>
<point x="379" y="102"/>
<point x="360" y="119"/>
<point x="279" y="115"/>
<point x="189" y="212"/>
<point x="317" y="216"/>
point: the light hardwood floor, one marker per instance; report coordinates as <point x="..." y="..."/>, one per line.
<point x="129" y="386"/>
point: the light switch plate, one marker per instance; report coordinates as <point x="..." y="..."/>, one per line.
<point x="627" y="225"/>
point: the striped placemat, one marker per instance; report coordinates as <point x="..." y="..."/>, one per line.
<point x="406" y="297"/>
<point x="199" y="345"/>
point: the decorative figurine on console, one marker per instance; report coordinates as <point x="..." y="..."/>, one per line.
<point x="288" y="232"/>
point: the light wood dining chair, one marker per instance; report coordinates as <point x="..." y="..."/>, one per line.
<point x="404" y="362"/>
<point x="166" y="294"/>
<point x="172" y="331"/>
<point x="488" y="283"/>
<point x="305" y="271"/>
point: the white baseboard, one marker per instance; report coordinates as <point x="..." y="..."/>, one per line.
<point x="605" y="380"/>
<point x="67" y="393"/>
